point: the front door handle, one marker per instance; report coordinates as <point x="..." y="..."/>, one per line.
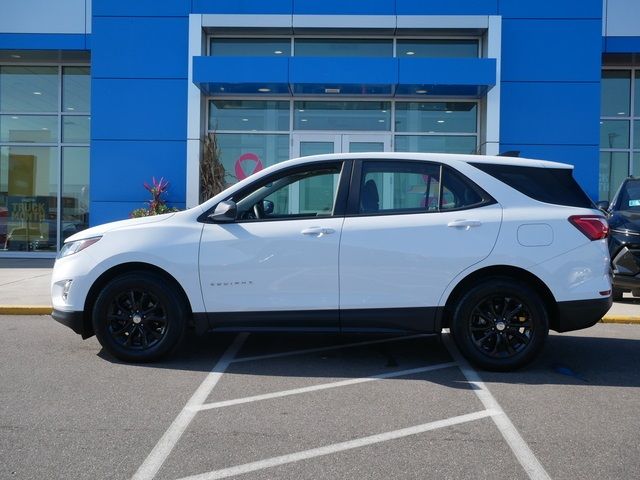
<point x="317" y="231"/>
<point x="466" y="224"/>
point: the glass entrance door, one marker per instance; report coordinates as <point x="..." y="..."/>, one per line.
<point x="305" y="144"/>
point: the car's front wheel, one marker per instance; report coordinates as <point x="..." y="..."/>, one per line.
<point x="138" y="317"/>
<point x="500" y="324"/>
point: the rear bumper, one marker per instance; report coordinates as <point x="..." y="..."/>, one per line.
<point x="578" y="314"/>
<point x="73" y="320"/>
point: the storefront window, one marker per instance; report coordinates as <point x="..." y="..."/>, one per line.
<point x="436" y="117"/>
<point x="244" y="154"/>
<point x="43" y="179"/>
<point x="343" y="47"/>
<point x="29" y="89"/>
<point x="614" y="168"/>
<point x="433" y="48"/>
<point x="616" y="93"/>
<point x="250" y="47"/>
<point x="342" y="116"/>
<point x="249" y="115"/>
<point x="28" y="198"/>
<point x="436" y="143"/>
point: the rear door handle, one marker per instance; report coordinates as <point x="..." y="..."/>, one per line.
<point x="317" y="231"/>
<point x="466" y="224"/>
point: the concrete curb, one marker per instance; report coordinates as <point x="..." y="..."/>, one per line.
<point x="25" y="310"/>
<point x="634" y="319"/>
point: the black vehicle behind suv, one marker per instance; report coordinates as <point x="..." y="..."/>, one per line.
<point x="624" y="237"/>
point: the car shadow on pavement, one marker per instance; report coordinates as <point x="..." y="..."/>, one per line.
<point x="565" y="360"/>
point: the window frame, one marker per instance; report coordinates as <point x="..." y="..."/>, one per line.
<point x="339" y="207"/>
<point x="353" y="202"/>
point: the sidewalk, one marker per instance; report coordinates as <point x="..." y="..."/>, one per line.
<point x="24" y="290"/>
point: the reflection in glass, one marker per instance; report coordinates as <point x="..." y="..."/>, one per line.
<point x="28" y="198"/>
<point x="315" y="148"/>
<point x="636" y="133"/>
<point x="76" y="89"/>
<point x="29" y="128"/>
<point x="436" y="143"/>
<point x="243" y="154"/>
<point x="75" y="190"/>
<point x="28" y="89"/>
<point x="249" y="115"/>
<point x="614" y="134"/>
<point x="342" y="116"/>
<point x="437" y="48"/>
<point x="436" y="117"/>
<point x="360" y="147"/>
<point x="75" y="128"/>
<point x="343" y="47"/>
<point x="614" y="168"/>
<point x="250" y="47"/>
<point x="616" y="93"/>
<point x="636" y="164"/>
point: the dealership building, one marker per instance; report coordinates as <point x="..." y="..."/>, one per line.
<point x="97" y="98"/>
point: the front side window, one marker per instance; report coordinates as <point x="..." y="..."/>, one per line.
<point x="415" y="187"/>
<point x="304" y="193"/>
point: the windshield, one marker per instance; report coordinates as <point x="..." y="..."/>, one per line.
<point x="628" y="197"/>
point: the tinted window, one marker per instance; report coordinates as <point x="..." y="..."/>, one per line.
<point x="628" y="198"/>
<point x="406" y="187"/>
<point x="549" y="185"/>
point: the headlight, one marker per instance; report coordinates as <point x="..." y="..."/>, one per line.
<point x="74" y="247"/>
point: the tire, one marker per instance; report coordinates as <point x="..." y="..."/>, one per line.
<point x="139" y="317"/>
<point x="617" y="294"/>
<point x="500" y="324"/>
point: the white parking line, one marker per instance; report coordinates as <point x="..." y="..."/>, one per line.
<point x="521" y="450"/>
<point x="165" y="445"/>
<point x="333" y="347"/>
<point x="323" y="386"/>
<point x="339" y="447"/>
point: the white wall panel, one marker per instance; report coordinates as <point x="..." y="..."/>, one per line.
<point x="622" y="18"/>
<point x="43" y="16"/>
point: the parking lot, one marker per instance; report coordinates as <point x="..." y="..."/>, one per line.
<point x="316" y="406"/>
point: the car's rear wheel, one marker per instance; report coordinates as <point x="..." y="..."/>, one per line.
<point x="138" y="317"/>
<point x="500" y="324"/>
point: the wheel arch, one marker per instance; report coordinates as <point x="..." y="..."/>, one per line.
<point x="121" y="269"/>
<point x="504" y="271"/>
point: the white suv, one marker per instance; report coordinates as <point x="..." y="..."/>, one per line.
<point x="497" y="249"/>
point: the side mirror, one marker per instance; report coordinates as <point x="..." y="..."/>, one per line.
<point x="603" y="205"/>
<point x="225" y="212"/>
<point x="267" y="207"/>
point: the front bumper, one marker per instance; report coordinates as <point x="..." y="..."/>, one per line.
<point x="74" y="320"/>
<point x="626" y="268"/>
<point x="578" y="314"/>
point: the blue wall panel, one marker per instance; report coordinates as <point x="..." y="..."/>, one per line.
<point x="283" y="7"/>
<point x="140" y="48"/>
<point x="42" y="41"/>
<point x="143" y="8"/>
<point x="551" y="50"/>
<point x="360" y="70"/>
<point x="447" y="7"/>
<point x="550" y="113"/>
<point x="133" y="163"/>
<point x="240" y="70"/>
<point x="584" y="157"/>
<point x="447" y="71"/>
<point x="551" y="9"/>
<point x="337" y="7"/>
<point x="134" y="109"/>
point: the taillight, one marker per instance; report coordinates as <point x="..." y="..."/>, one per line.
<point x="594" y="227"/>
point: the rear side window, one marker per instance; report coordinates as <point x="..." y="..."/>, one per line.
<point x="549" y="185"/>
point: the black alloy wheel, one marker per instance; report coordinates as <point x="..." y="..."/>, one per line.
<point x="138" y="317"/>
<point x="500" y="324"/>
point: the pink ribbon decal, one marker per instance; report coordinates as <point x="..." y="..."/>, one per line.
<point x="241" y="174"/>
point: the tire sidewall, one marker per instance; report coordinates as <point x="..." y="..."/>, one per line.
<point x="171" y="302"/>
<point x="499" y="286"/>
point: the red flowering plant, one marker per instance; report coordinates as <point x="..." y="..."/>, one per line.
<point x="157" y="205"/>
